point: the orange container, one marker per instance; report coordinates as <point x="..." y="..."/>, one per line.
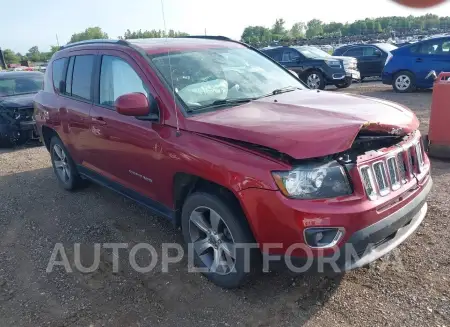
<point x="439" y="133"/>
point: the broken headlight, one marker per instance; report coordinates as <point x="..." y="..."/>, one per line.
<point x="314" y="181"/>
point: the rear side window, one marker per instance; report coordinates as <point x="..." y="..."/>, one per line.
<point x="58" y="71"/>
<point x="354" y="52"/>
<point x="82" y="76"/>
<point x="275" y="54"/>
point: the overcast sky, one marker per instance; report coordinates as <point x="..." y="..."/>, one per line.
<point x="37" y="22"/>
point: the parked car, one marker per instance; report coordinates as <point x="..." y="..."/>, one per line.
<point x="231" y="147"/>
<point x="408" y="68"/>
<point x="316" y="67"/>
<point x="371" y="57"/>
<point x="17" y="90"/>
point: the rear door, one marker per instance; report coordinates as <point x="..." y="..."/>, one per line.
<point x="431" y="55"/>
<point x="76" y="101"/>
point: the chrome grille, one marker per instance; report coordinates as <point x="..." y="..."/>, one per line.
<point x="389" y="174"/>
<point x="380" y="176"/>
<point x="367" y="179"/>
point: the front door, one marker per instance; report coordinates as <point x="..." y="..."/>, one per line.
<point x="431" y="55"/>
<point x="122" y="147"/>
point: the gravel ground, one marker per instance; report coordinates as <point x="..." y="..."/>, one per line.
<point x="35" y="214"/>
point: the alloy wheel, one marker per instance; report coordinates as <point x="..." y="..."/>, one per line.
<point x="313" y="81"/>
<point x="403" y="82"/>
<point x="61" y="165"/>
<point x="212" y="240"/>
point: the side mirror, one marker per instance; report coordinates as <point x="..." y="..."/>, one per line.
<point x="62" y="87"/>
<point x="132" y="104"/>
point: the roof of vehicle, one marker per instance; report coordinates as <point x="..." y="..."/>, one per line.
<point x="10" y="74"/>
<point x="162" y="45"/>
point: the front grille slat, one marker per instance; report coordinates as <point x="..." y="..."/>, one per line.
<point x="390" y="173"/>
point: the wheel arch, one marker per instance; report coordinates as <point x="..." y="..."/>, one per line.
<point x="47" y="134"/>
<point x="185" y="184"/>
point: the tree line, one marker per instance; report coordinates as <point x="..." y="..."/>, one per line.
<point x="35" y="55"/>
<point x="316" y="28"/>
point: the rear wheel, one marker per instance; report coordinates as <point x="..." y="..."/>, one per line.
<point x="216" y="233"/>
<point x="315" y="80"/>
<point x="63" y="166"/>
<point x="404" y="82"/>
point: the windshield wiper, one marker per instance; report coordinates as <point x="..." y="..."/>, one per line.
<point x="282" y="90"/>
<point x="222" y="103"/>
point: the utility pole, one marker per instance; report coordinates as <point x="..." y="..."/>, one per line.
<point x="57" y="40"/>
<point x="205" y="31"/>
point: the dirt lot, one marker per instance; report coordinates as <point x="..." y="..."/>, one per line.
<point x="35" y="214"/>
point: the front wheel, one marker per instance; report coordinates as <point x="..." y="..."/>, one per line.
<point x="404" y="82"/>
<point x="217" y="233"/>
<point x="315" y="80"/>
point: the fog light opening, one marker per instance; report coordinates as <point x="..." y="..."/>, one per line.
<point x="318" y="237"/>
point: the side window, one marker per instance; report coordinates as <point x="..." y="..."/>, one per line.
<point x="275" y="55"/>
<point x="431" y="47"/>
<point x="69" y="76"/>
<point x="82" y="76"/>
<point x="369" y="51"/>
<point x="117" y="78"/>
<point x="354" y="52"/>
<point x="290" y="56"/>
<point x="446" y="47"/>
<point x="58" y="71"/>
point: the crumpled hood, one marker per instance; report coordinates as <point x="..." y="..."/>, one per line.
<point x="17" y="101"/>
<point x="305" y="123"/>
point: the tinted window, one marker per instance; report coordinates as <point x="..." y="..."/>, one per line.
<point x="440" y="46"/>
<point x="58" y="71"/>
<point x="446" y="47"/>
<point x="69" y="76"/>
<point x="82" y="76"/>
<point x="275" y="54"/>
<point x="23" y="84"/>
<point x="369" y="51"/>
<point x="354" y="52"/>
<point x="117" y="78"/>
<point x="290" y="56"/>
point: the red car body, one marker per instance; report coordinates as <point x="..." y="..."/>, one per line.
<point x="228" y="147"/>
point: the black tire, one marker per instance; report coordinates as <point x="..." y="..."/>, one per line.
<point x="73" y="180"/>
<point x="343" y="85"/>
<point x="407" y="86"/>
<point x="235" y="221"/>
<point x="317" y="81"/>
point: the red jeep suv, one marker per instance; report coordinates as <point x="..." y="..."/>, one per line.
<point x="237" y="151"/>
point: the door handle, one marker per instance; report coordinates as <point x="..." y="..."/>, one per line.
<point x="419" y="60"/>
<point x="98" y="120"/>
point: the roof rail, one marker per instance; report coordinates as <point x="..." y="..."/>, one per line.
<point x="209" y="37"/>
<point x="95" y="41"/>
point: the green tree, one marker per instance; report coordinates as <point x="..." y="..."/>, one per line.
<point x="11" y="57"/>
<point x="315" y="28"/>
<point x="278" y="27"/>
<point x="297" y="30"/>
<point x="34" y="54"/>
<point x="89" y="33"/>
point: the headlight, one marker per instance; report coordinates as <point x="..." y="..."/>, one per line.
<point x="314" y="181"/>
<point x="333" y="63"/>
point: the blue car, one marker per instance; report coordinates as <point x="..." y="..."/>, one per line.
<point x="406" y="70"/>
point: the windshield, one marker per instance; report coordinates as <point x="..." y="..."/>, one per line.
<point x="207" y="76"/>
<point x="386" y="47"/>
<point x="20" y="85"/>
<point x="312" y="52"/>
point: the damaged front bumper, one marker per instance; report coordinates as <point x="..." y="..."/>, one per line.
<point x="17" y="129"/>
